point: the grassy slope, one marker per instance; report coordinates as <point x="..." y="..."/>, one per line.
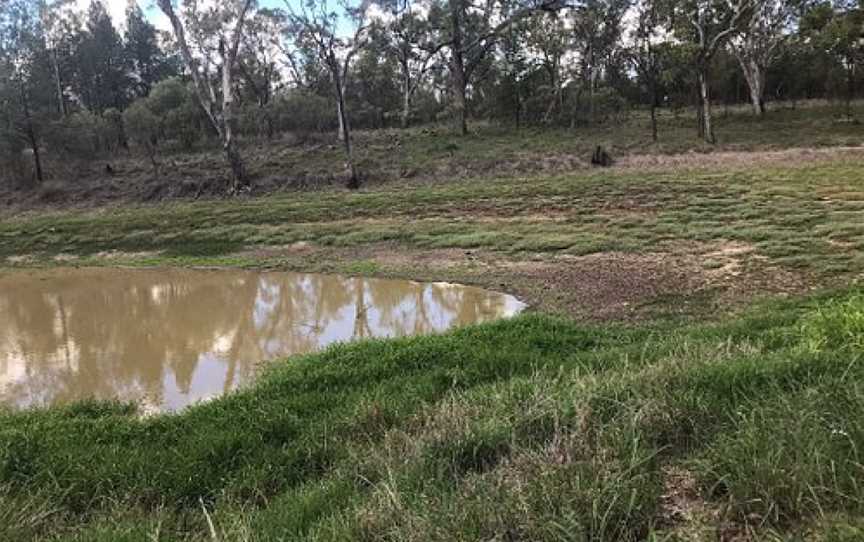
<point x="530" y="429"/>
<point x="802" y="217"/>
<point x="428" y="154"/>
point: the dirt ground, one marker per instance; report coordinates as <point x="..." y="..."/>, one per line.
<point x="605" y="286"/>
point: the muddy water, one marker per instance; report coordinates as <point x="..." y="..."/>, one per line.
<point x="168" y="338"/>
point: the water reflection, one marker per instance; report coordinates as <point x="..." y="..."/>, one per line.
<point x="168" y="338"/>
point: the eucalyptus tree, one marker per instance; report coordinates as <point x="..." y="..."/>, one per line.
<point x="147" y="62"/>
<point x="547" y="39"/>
<point x="375" y="86"/>
<point x="758" y="44"/>
<point x="25" y="82"/>
<point x="597" y="31"/>
<point x="216" y="32"/>
<point x="61" y="27"/>
<point x="259" y="58"/>
<point x="405" y="34"/>
<point x="101" y="68"/>
<point x="706" y="26"/>
<point x="644" y="55"/>
<point x="517" y="70"/>
<point x="835" y="32"/>
<point x="316" y="26"/>
<point x="466" y="30"/>
<point x="471" y="31"/>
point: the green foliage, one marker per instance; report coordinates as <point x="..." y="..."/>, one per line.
<point x="102" y="68"/>
<point x="82" y="135"/>
<point x="303" y="113"/>
<point x="142" y="124"/>
<point x="181" y="116"/>
<point x="142" y="52"/>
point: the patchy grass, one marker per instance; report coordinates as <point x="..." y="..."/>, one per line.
<point x="806" y="217"/>
<point x="566" y="243"/>
<point x="529" y="429"/>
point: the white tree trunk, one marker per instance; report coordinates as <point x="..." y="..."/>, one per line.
<point x="406" y="103"/>
<point x="705" y="95"/>
<point x="755" y="77"/>
<point x="221" y="120"/>
<point x="345" y="132"/>
<point x="238" y="173"/>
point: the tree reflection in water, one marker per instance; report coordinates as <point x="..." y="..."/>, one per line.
<point x="168" y="338"/>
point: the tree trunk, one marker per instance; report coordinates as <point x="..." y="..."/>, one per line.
<point x="151" y="153"/>
<point x="755" y="78"/>
<point x="517" y="108"/>
<point x="407" y="91"/>
<point x="556" y="93"/>
<point x="61" y="102"/>
<point x="591" y="104"/>
<point x="239" y="180"/>
<point x="705" y="99"/>
<point x="268" y="119"/>
<point x="37" y="161"/>
<point x="238" y="170"/>
<point x="353" y="182"/>
<point x="654" y="110"/>
<point x="406" y="104"/>
<point x="223" y="121"/>
<point x="31" y="136"/>
<point x="850" y="87"/>
<point x="457" y="67"/>
<point x="340" y="134"/>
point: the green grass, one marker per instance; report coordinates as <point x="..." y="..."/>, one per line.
<point x="804" y="218"/>
<point x="529" y="429"/>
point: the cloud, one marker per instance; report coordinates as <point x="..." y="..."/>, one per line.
<point x="157" y="18"/>
<point x="117" y="10"/>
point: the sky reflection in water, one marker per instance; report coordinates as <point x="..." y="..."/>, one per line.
<point x="169" y="338"/>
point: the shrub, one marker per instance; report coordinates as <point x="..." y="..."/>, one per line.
<point x="142" y="123"/>
<point x="303" y="112"/>
<point x="81" y="135"/>
<point x="181" y="118"/>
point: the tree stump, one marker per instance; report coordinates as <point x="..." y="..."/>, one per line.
<point x="601" y="158"/>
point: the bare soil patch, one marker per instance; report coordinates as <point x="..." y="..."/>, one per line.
<point x="602" y="286"/>
<point x="795" y="157"/>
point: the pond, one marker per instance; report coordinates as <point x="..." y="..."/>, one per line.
<point x="167" y="338"/>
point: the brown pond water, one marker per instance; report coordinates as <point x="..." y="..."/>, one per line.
<point x="171" y="337"/>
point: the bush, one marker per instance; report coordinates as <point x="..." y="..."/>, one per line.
<point x="606" y="105"/>
<point x="303" y="112"/>
<point x="114" y="131"/>
<point x="256" y="121"/>
<point x="80" y="135"/>
<point x="142" y="123"/>
<point x="180" y="116"/>
<point x="14" y="170"/>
